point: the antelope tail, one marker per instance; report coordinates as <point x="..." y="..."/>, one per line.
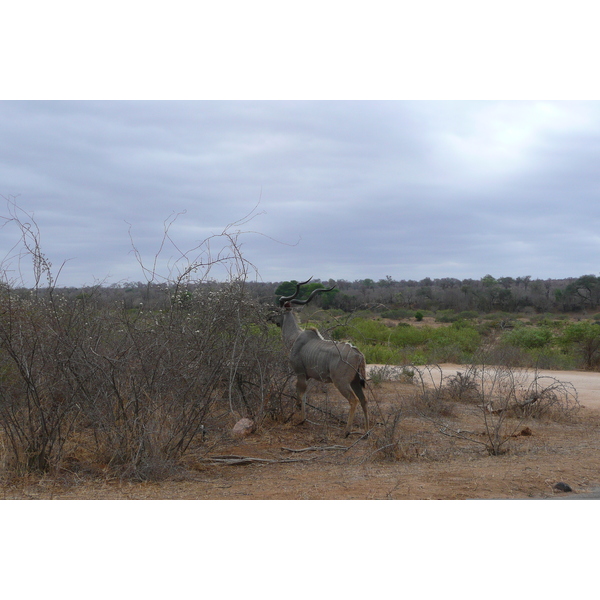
<point x="360" y="376"/>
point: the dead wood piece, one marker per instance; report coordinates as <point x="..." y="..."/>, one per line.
<point x="530" y="401"/>
<point x="314" y="448"/>
<point x="231" y="459"/>
<point x="234" y="460"/>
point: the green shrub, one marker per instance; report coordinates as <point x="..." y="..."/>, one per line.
<point x="403" y="337"/>
<point x="449" y="316"/>
<point x="497" y="316"/>
<point x="446" y="316"/>
<point x="363" y="331"/>
<point x="380" y="355"/>
<point x="404" y="343"/>
<point x="548" y="320"/>
<point x="585" y="338"/>
<point x="468" y="314"/>
<point x="417" y="358"/>
<point x="468" y="340"/>
<point x="452" y="344"/>
<point x="550" y="358"/>
<point x="529" y="337"/>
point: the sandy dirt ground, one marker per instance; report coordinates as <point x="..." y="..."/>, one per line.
<point x="410" y="459"/>
<point x="587" y="384"/>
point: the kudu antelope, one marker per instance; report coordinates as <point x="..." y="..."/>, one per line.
<point x="313" y="357"/>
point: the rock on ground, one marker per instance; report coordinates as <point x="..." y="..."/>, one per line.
<point x="243" y="428"/>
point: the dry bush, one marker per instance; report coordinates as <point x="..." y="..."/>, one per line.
<point x="259" y="386"/>
<point x="388" y="444"/>
<point x="377" y="375"/>
<point x="520" y="392"/>
<point x="547" y="398"/>
<point x="393" y="444"/>
<point x="505" y="397"/>
<point x="431" y="404"/>
<point x="432" y="399"/>
<point x="39" y="397"/>
<point x="462" y="387"/>
<point x="131" y="388"/>
<point x="427" y="400"/>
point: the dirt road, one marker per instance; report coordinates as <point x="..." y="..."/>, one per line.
<point x="587" y="384"/>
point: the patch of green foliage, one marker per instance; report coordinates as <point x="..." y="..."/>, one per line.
<point x="584" y="337"/>
<point x="405" y="343"/>
<point x="451" y="316"/>
<point x="529" y="337"/>
<point x="548" y="341"/>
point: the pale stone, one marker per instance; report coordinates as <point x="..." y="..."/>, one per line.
<point x="243" y="428"/>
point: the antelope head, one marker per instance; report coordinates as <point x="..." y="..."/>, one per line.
<point x="286" y="303"/>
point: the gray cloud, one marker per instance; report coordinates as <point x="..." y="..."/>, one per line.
<point x="352" y="189"/>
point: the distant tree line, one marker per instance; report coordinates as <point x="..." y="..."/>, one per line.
<point x="488" y="294"/>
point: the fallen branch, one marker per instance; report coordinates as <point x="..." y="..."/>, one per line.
<point x="237" y="460"/>
<point x="233" y="460"/>
<point x="315" y="448"/>
<point x="362" y="437"/>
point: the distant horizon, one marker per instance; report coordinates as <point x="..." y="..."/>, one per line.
<point x="376" y="282"/>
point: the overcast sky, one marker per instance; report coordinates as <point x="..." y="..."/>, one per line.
<point x="339" y="189"/>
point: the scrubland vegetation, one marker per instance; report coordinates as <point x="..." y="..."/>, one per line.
<point x="94" y="381"/>
<point x="128" y="379"/>
<point x="542" y="341"/>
